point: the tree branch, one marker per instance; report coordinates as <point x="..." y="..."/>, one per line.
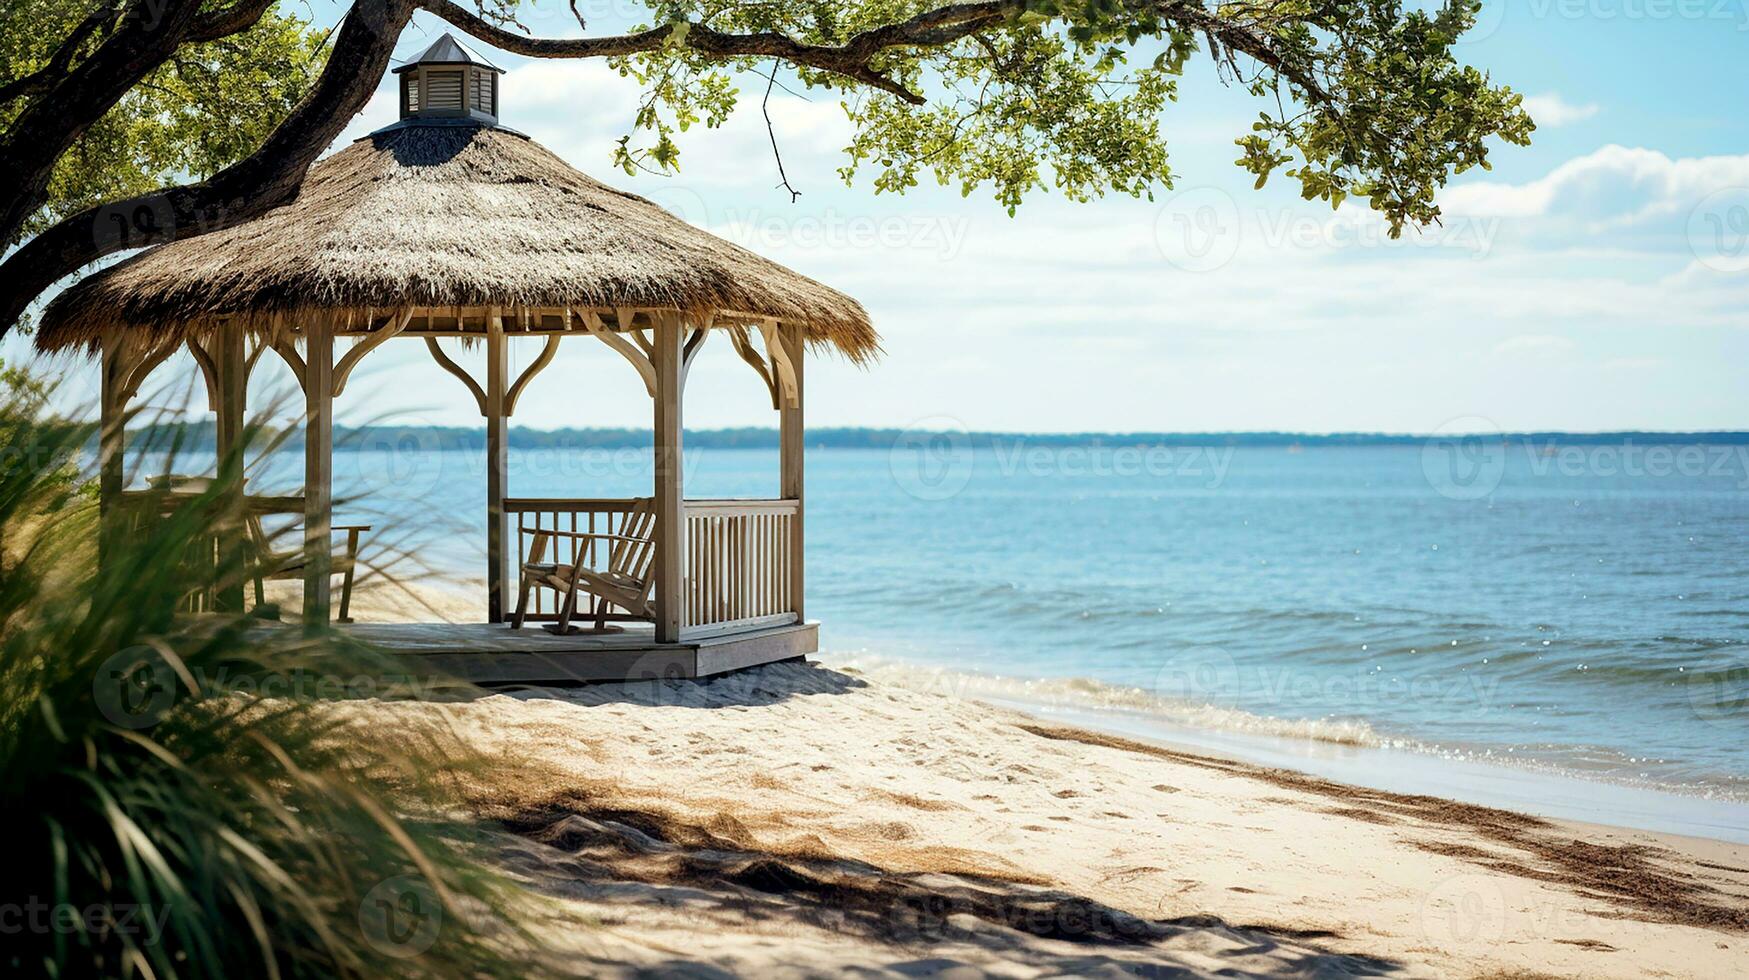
<point x="245" y="190"/>
<point x="147" y="35"/>
<point x="765" y="107"/>
<point x="851" y="59"/>
<point x="1241" y="37"/>
<point x="42" y="133"/>
<point x="234" y="19"/>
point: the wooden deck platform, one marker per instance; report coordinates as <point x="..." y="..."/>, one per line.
<point x="496" y="654"/>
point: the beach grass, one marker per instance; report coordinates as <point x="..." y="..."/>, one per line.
<point x="175" y="799"/>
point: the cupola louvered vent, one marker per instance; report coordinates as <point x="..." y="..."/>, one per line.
<point x="446" y="90"/>
<point x="485" y="92"/>
<point x="449" y="82"/>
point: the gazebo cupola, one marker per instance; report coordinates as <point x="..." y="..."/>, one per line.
<point x="449" y="81"/>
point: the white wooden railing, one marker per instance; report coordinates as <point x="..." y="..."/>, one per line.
<point x="738" y="575"/>
<point x="738" y="565"/>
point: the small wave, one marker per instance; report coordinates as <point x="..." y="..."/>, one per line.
<point x="1089" y="694"/>
<point x="1045" y="696"/>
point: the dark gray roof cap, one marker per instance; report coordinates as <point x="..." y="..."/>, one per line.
<point x="449" y="51"/>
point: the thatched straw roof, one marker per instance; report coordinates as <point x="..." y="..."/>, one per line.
<point x="445" y="216"/>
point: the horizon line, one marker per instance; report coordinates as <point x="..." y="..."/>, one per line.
<point x="1285" y="436"/>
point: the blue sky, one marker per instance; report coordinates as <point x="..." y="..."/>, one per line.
<point x="1598" y="279"/>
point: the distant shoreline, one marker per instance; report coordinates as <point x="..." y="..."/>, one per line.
<point x="199" y="436"/>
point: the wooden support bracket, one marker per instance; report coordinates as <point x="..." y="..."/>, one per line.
<point x="343" y="370"/>
<point x="209" y="371"/>
<point x="625" y="317"/>
<point x="288" y="352"/>
<point x="694" y="341"/>
<point x="783" y="368"/>
<point x="743" y="344"/>
<point x="639" y="359"/>
<point x="452" y="367"/>
<point x="546" y="356"/>
<point x="133" y="372"/>
<point x="249" y="361"/>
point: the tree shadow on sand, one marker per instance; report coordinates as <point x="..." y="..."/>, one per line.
<point x="891" y="923"/>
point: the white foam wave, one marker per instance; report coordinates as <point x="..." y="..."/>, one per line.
<point x="1082" y="693"/>
<point x="1131" y="709"/>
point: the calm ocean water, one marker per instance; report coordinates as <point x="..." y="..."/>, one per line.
<point x="1584" y="608"/>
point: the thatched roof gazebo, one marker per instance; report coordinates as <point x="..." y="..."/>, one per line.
<point x="446" y="224"/>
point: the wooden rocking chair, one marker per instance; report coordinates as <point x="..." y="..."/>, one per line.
<point x="625" y="581"/>
<point x="266" y="563"/>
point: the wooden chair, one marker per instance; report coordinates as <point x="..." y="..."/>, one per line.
<point x="264" y="562"/>
<point x="624" y="582"/>
<point x="269" y="564"/>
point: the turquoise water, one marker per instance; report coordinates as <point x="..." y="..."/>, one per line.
<point x="1584" y="609"/>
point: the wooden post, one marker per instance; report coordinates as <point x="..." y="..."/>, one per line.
<point x="231" y="368"/>
<point x="112" y="442"/>
<point x="790" y="441"/>
<point x="318" y="469"/>
<point x="497" y="432"/>
<point x="670" y="489"/>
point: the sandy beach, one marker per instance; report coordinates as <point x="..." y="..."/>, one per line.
<point x="801" y="820"/>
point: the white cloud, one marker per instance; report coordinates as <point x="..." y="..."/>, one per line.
<point x="1534" y="345"/>
<point x="1550" y="110"/>
<point x="1612" y="189"/>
